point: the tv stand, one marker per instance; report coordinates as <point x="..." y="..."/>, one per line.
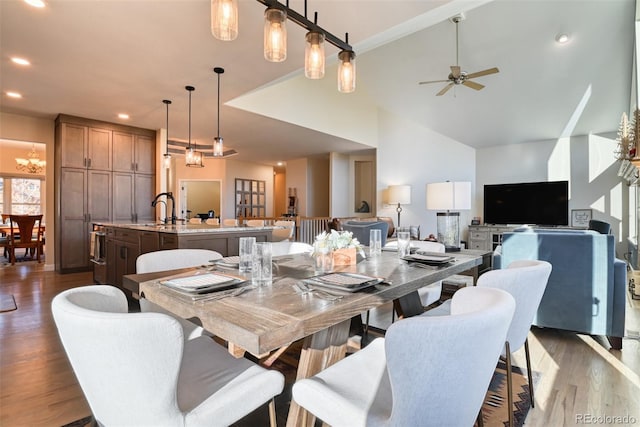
<point x="487" y="237"/>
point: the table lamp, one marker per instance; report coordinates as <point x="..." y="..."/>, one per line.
<point x="400" y="195"/>
<point x="449" y="196"/>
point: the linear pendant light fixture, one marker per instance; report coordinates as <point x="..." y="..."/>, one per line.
<point x="193" y="157"/>
<point x="166" y="158"/>
<point x="275" y="38"/>
<point x="218" y="147"/>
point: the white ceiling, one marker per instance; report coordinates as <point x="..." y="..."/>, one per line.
<point x="98" y="58"/>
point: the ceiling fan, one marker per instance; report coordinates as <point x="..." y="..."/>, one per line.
<point x="457" y="76"/>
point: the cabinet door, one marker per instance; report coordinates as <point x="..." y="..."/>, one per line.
<point x="145" y="154"/>
<point x="74" y="146"/>
<point x="123" y="160"/>
<point x="72" y="247"/>
<point x="123" y="197"/>
<point x="126" y="254"/>
<point x="99" y="196"/>
<point x="144" y="192"/>
<point x="99" y="149"/>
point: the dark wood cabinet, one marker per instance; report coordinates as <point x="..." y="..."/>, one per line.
<point x="104" y="173"/>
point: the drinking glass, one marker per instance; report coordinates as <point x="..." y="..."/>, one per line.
<point x="404" y="244"/>
<point x="323" y="260"/>
<point x="375" y="242"/>
<point x="261" y="267"/>
<point x="246" y="249"/>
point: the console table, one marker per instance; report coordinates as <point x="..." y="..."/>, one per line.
<point x="487" y="237"/>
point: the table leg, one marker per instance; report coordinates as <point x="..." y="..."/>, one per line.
<point x="319" y="351"/>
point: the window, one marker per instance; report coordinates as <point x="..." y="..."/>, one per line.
<point x="22" y="196"/>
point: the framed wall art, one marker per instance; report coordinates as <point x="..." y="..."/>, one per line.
<point x="580" y="218"/>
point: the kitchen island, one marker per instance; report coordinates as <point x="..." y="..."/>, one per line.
<point x="123" y="243"/>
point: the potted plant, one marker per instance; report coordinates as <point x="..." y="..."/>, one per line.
<point x="342" y="246"/>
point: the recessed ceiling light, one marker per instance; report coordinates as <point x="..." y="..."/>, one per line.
<point x="279" y="163"/>
<point x="20" y="61"/>
<point x="123" y="116"/>
<point x="562" y="38"/>
<point x="35" y="3"/>
<point x="14" y="95"/>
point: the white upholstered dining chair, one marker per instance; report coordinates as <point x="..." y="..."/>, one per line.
<point x="526" y="281"/>
<point x="254" y="222"/>
<point x="427" y="371"/>
<point x="286" y="233"/>
<point x="230" y="222"/>
<point x="195" y="220"/>
<point x="287" y="248"/>
<point x="212" y="221"/>
<point x="172" y="259"/>
<point x="136" y="369"/>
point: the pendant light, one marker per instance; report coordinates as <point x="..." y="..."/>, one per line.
<point x="193" y="158"/>
<point x="224" y="19"/>
<point x="275" y="35"/>
<point x="347" y="70"/>
<point x="166" y="161"/>
<point x="218" y="147"/>
<point x="314" y="55"/>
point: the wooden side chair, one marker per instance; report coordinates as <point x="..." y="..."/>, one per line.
<point x="25" y="232"/>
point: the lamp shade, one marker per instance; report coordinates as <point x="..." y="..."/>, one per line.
<point x="399" y="194"/>
<point x="449" y="196"/>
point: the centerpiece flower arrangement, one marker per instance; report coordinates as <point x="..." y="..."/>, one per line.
<point x="340" y="246"/>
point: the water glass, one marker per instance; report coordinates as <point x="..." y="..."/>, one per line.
<point x="375" y="242"/>
<point x="261" y="267"/>
<point x="323" y="260"/>
<point x="246" y="250"/>
<point x="404" y="244"/>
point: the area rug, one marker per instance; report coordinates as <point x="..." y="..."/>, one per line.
<point x="7" y="303"/>
<point x="494" y="408"/>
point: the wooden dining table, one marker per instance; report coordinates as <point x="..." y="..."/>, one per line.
<point x="265" y="319"/>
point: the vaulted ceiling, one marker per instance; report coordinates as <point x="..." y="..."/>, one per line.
<point x="96" y="59"/>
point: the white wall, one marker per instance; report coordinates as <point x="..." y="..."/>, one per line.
<point x="339" y="175"/>
<point x="587" y="162"/>
<point x="318" y="186"/>
<point x="297" y="178"/>
<point x="414" y="155"/>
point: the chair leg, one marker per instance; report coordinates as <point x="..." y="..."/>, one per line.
<point x="507" y="352"/>
<point x="529" y="374"/>
<point x="272" y="413"/>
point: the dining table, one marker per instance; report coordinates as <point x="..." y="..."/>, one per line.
<point x="264" y="319"/>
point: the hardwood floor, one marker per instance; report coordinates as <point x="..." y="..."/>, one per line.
<point x="580" y="375"/>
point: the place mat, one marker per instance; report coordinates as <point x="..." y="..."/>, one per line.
<point x="7" y="303"/>
<point x="201" y="283"/>
<point x="431" y="258"/>
<point x="228" y="262"/>
<point x="350" y="282"/>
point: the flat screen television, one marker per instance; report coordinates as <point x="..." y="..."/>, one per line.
<point x="533" y="203"/>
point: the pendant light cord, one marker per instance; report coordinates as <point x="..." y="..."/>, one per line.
<point x="166" y="149"/>
<point x="218" y="105"/>
<point x="190" y="89"/>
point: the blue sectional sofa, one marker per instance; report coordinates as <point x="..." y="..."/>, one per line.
<point x="587" y="288"/>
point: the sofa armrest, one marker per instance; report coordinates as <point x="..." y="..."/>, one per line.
<point x="619" y="297"/>
<point x="497" y="258"/>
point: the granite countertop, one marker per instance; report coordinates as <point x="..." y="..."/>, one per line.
<point x="187" y="228"/>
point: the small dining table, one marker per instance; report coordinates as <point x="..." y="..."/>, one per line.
<point x="265" y="319"/>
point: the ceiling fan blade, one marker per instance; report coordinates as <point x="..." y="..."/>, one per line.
<point x="433" y="81"/>
<point x="483" y="73"/>
<point x="455" y="71"/>
<point x="445" y="89"/>
<point x="472" y="85"/>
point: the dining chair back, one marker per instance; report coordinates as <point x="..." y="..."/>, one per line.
<point x="136" y="369"/>
<point x="599" y="226"/>
<point x="230" y="222"/>
<point x="427" y="371"/>
<point x="195" y="220"/>
<point x="287" y="248"/>
<point x="172" y="259"/>
<point x="212" y="221"/>
<point x="255" y="222"/>
<point x="25" y="232"/>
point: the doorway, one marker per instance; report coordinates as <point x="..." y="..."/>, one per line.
<point x="200" y="197"/>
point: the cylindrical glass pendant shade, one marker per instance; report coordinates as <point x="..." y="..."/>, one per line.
<point x="347" y="71"/>
<point x="314" y="56"/>
<point x="275" y="35"/>
<point x="218" y="147"/>
<point x="166" y="160"/>
<point x="224" y="19"/>
<point x="193" y="158"/>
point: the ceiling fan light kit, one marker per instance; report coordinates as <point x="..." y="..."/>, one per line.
<point x="457" y="76"/>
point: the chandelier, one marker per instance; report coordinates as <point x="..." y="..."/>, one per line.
<point x="224" y="26"/>
<point x="32" y="164"/>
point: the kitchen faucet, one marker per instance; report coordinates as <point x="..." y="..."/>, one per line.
<point x="169" y="196"/>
